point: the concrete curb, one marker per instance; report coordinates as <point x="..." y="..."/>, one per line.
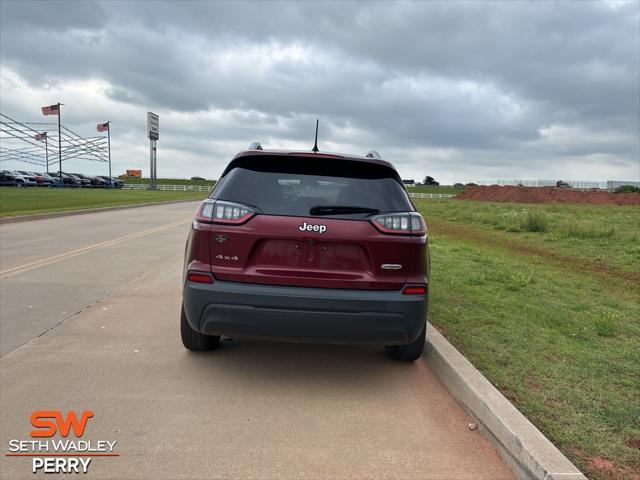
<point x="44" y="216"/>
<point x="525" y="449"/>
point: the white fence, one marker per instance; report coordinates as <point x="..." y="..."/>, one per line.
<point x="577" y="184"/>
<point x="172" y="188"/>
<point x="430" y="195"/>
<point x="581" y="184"/>
<point x="205" y="188"/>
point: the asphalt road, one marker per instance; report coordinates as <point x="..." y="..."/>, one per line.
<point x="89" y="321"/>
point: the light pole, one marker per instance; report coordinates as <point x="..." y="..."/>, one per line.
<point x="101" y="127"/>
<point x="109" y="146"/>
<point x="46" y="150"/>
<point x="59" y="145"/>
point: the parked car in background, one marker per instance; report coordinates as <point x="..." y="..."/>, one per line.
<point x="13" y="178"/>
<point x="8" y="179"/>
<point x="93" y="180"/>
<point x="49" y="177"/>
<point x="41" y="180"/>
<point x="70" y="180"/>
<point x="114" y="181"/>
<point x="82" y="182"/>
<point x="22" y="180"/>
<point x="30" y="175"/>
<point x="97" y="181"/>
<point x="29" y="180"/>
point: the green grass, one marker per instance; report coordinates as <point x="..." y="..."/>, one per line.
<point x="562" y="342"/>
<point x="30" y="201"/>
<point x="169" y="181"/>
<point x="604" y="234"/>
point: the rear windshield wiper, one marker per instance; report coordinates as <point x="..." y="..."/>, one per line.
<point x="339" y="210"/>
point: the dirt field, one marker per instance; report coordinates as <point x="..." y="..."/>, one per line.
<point x="495" y="193"/>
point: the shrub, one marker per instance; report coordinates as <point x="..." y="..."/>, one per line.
<point x="535" y="221"/>
<point x="627" y="189"/>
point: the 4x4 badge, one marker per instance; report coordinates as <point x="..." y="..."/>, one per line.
<point x="307" y="227"/>
<point x="233" y="258"/>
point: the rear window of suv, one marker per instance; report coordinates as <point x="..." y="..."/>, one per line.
<point x="294" y="185"/>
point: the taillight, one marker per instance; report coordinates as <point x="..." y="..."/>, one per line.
<point x="407" y="223"/>
<point x="205" y="211"/>
<point x="230" y="212"/>
<point x="198" y="277"/>
<point x="221" y="211"/>
<point x="419" y="290"/>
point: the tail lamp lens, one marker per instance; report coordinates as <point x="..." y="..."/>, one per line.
<point x="229" y="212"/>
<point x="419" y="290"/>
<point x="205" y="211"/>
<point x="197" y="277"/>
<point x="407" y="223"/>
<point x="220" y="211"/>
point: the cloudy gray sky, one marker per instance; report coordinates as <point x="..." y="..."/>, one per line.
<point x="460" y="90"/>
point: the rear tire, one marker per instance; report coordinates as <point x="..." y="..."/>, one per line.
<point x="196" y="341"/>
<point x="410" y="351"/>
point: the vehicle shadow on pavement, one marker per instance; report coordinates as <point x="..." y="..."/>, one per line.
<point x="302" y="363"/>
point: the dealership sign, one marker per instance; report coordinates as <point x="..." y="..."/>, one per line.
<point x="153" y="126"/>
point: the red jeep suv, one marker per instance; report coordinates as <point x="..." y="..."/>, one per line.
<point x="307" y="246"/>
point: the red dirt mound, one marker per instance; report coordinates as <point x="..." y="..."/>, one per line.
<point x="495" y="193"/>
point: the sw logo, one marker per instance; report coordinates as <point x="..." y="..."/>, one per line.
<point x="45" y="427"/>
<point x="60" y="455"/>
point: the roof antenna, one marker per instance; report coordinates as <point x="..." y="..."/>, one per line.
<point x="315" y="145"/>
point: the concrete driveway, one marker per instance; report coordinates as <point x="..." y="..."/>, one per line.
<point x="90" y="321"/>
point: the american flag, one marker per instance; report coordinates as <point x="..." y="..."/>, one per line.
<point x="103" y="127"/>
<point x="51" y="110"/>
<point x="41" y="136"/>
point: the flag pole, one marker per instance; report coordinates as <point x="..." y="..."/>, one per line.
<point x="59" y="144"/>
<point x="109" y="144"/>
<point x="46" y="149"/>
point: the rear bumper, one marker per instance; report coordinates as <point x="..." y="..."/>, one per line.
<point x="299" y="313"/>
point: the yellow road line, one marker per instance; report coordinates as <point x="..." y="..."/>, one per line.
<point x="74" y="253"/>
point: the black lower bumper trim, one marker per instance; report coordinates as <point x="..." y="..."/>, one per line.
<point x="301" y="313"/>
